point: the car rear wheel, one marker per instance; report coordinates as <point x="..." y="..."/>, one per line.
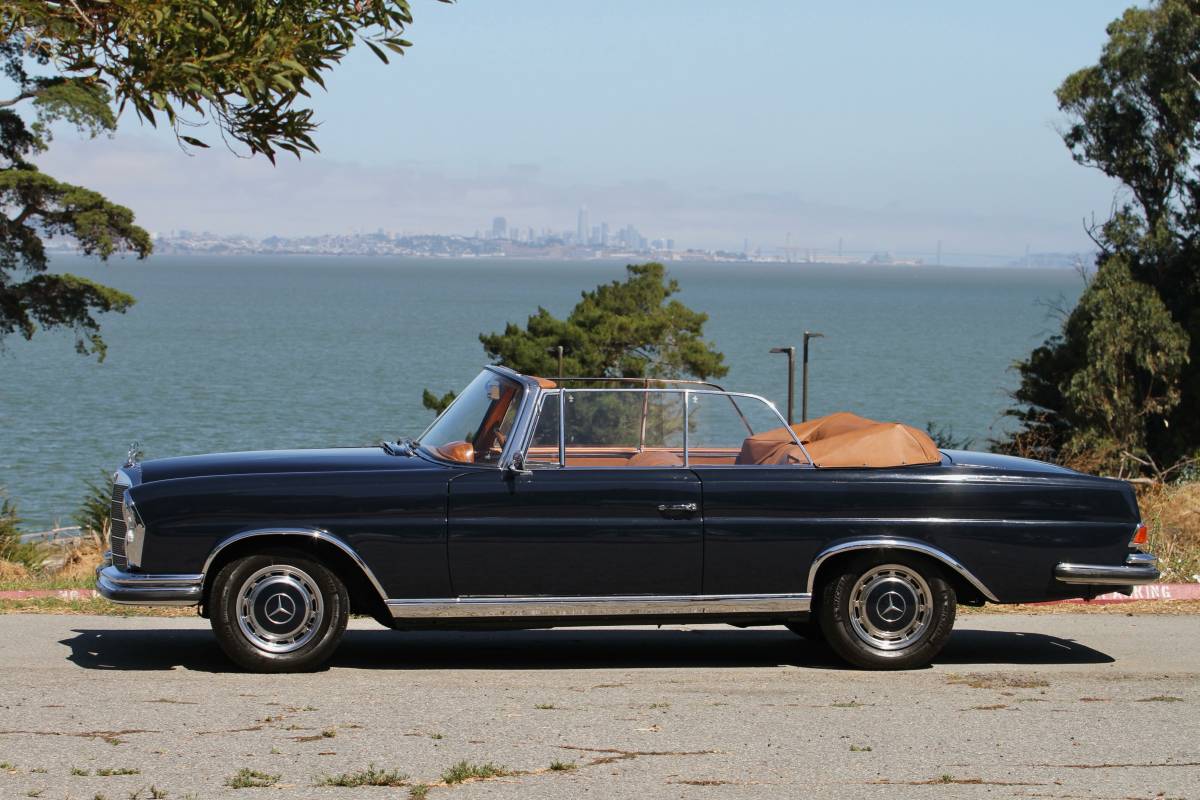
<point x="279" y="612"/>
<point x="887" y="611"/>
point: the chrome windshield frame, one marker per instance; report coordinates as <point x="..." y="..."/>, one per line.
<point x="522" y="430"/>
<point x="522" y="426"/>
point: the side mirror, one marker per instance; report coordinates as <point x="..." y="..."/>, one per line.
<point x="517" y="467"/>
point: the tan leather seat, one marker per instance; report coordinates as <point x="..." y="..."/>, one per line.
<point x="655" y="458"/>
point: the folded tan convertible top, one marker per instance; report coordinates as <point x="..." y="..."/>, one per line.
<point x="843" y="440"/>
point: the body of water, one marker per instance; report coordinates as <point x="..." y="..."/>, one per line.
<point x="250" y="353"/>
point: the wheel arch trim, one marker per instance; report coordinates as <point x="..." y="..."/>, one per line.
<point x="894" y="543"/>
<point x="309" y="534"/>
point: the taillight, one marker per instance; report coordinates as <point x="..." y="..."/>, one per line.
<point x="1141" y="535"/>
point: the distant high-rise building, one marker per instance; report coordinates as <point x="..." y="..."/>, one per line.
<point x="604" y="234"/>
<point x="532" y="237"/>
<point x="499" y="228"/>
<point x="595" y="237"/>
<point x="582" y="229"/>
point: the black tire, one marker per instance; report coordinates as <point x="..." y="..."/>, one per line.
<point x="279" y="611"/>
<point x="887" y="611"/>
<point x="809" y="629"/>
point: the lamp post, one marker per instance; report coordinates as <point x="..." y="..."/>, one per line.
<point x="558" y="350"/>
<point x="804" y="391"/>
<point x="791" y="354"/>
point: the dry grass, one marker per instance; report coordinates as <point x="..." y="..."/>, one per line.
<point x="81" y="560"/>
<point x="11" y="572"/>
<point x="1131" y="608"/>
<point x="94" y="607"/>
<point x="68" y="566"/>
<point x="1172" y="512"/>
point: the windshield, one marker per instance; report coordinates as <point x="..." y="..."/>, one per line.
<point x="476" y="425"/>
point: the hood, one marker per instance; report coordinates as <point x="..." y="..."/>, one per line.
<point x="971" y="458"/>
<point x="335" y="459"/>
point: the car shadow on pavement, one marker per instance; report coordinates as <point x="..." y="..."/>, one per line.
<point x="575" y="648"/>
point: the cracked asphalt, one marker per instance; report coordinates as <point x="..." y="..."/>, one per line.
<point x="1052" y="705"/>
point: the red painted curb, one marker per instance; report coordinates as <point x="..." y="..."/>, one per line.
<point x="1150" y="591"/>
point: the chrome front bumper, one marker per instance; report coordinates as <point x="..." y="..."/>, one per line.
<point x="1138" y="568"/>
<point x="133" y="588"/>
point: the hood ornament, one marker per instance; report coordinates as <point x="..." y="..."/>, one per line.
<point x="135" y="453"/>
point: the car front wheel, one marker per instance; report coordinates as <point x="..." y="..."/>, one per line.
<point x="887" y="611"/>
<point x="279" y="612"/>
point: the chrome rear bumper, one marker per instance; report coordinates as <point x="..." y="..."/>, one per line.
<point x="1138" y="568"/>
<point x="133" y="588"/>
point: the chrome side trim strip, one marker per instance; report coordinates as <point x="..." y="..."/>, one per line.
<point x="308" y="533"/>
<point x="1139" y="568"/>
<point x="474" y="607"/>
<point x="889" y="543"/>
<point x="131" y="588"/>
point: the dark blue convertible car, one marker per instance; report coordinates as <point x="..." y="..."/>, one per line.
<point x="532" y="503"/>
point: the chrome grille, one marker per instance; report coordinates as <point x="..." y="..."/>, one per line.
<point x="116" y="529"/>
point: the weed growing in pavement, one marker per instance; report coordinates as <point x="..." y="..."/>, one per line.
<point x="465" y="770"/>
<point x="860" y="748"/>
<point x="1160" y="698"/>
<point x="977" y="680"/>
<point x="418" y="791"/>
<point x="545" y="706"/>
<point x="80" y="772"/>
<point x="371" y="776"/>
<point x="329" y="733"/>
<point x="246" y="778"/>
<point x="157" y="793"/>
<point x="106" y="772"/>
<point x="562" y="766"/>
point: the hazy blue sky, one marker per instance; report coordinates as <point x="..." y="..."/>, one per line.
<point x="888" y="125"/>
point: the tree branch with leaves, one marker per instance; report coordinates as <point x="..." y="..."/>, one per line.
<point x="239" y="69"/>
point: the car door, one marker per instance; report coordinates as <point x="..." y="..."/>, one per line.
<point x="578" y="527"/>
<point x="762" y="523"/>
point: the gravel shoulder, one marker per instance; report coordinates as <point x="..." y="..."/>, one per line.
<point x="1046" y="705"/>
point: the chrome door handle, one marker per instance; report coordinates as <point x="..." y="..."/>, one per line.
<point x="678" y="508"/>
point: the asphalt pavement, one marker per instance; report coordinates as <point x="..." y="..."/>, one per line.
<point x="1048" y="706"/>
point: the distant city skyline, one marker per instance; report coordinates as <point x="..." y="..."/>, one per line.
<point x="791" y="125"/>
<point x="505" y="241"/>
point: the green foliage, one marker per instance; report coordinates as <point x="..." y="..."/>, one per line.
<point x="465" y="771"/>
<point x="11" y="547"/>
<point x="242" y="66"/>
<point x="94" y="513"/>
<point x="631" y="329"/>
<point x="246" y="778"/>
<point x="434" y="403"/>
<point x="371" y="776"/>
<point x="1134" y="354"/>
<point x="1119" y="386"/>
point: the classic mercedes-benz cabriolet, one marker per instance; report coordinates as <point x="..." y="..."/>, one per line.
<point x="531" y="503"/>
